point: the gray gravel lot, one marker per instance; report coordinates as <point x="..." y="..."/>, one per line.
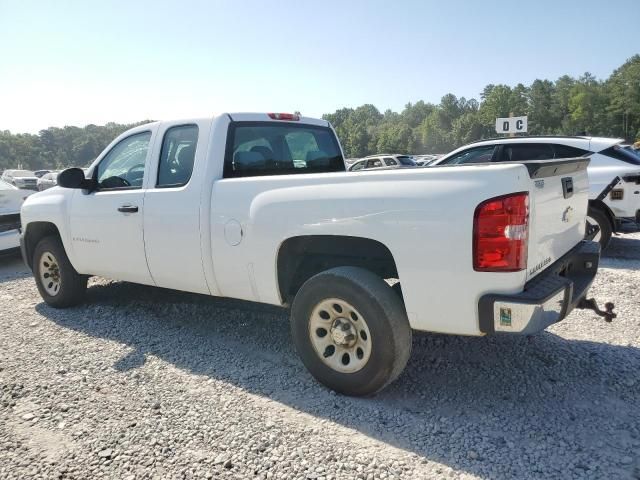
<point x="149" y="383"/>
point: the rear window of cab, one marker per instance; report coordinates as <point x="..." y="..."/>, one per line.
<point x="273" y="148"/>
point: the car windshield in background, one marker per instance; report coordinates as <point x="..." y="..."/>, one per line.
<point x="620" y="153"/>
<point x="629" y="148"/>
<point x="407" y="161"/>
<point x="269" y="148"/>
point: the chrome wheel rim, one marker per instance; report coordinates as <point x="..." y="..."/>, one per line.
<point x="50" y="274"/>
<point x="340" y="335"/>
<point x="592" y="222"/>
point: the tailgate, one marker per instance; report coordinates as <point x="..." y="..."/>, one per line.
<point x="558" y="202"/>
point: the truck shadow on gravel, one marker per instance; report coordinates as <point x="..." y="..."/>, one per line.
<point x="484" y="405"/>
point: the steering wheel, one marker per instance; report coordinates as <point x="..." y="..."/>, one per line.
<point x="130" y="173"/>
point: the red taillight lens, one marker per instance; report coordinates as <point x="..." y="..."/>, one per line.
<point x="284" y="116"/>
<point x="500" y="234"/>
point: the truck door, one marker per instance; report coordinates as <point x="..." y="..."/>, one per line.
<point x="106" y="224"/>
<point x="172" y="206"/>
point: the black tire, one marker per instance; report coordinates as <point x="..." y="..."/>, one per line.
<point x="385" y="317"/>
<point x="603" y="222"/>
<point x="71" y="287"/>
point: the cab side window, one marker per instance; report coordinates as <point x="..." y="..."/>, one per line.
<point x="358" y="166"/>
<point x="374" y="162"/>
<point x="390" y="161"/>
<point x="177" y="156"/>
<point x="123" y="166"/>
<point x="472" y="155"/>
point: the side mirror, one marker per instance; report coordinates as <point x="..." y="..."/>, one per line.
<point x="74" y="178"/>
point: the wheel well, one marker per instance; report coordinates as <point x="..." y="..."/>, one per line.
<point x="300" y="258"/>
<point x="600" y="205"/>
<point x="35" y="232"/>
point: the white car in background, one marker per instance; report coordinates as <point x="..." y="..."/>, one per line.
<point x="11" y="199"/>
<point x="383" y="160"/>
<point x="48" y="180"/>
<point x="424" y="160"/>
<point x="614" y="172"/>
<point x="25" y="179"/>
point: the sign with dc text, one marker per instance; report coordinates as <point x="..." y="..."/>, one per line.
<point x="511" y="125"/>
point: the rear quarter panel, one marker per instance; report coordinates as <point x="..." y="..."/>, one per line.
<point x="424" y="217"/>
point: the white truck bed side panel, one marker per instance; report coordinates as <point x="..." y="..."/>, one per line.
<point x="427" y="227"/>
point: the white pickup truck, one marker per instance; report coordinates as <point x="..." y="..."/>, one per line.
<point x="259" y="207"/>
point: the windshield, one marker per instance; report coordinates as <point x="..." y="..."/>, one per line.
<point x="635" y="151"/>
<point x="407" y="161"/>
<point x="620" y="153"/>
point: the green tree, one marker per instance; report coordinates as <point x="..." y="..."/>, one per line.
<point x="542" y="118"/>
<point x="623" y="87"/>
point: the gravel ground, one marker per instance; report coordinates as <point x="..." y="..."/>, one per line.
<point x="149" y="383"/>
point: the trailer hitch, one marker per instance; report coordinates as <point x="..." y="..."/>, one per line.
<point x="607" y="313"/>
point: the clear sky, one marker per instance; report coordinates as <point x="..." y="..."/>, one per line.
<point x="79" y="62"/>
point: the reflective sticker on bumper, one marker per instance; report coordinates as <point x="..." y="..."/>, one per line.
<point x="505" y="317"/>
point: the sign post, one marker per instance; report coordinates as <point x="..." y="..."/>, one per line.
<point x="511" y="125"/>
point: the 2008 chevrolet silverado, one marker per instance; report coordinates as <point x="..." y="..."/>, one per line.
<point x="259" y="207"/>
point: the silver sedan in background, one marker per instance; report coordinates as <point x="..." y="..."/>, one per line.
<point x="48" y="180"/>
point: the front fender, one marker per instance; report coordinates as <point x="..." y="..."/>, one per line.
<point x="43" y="211"/>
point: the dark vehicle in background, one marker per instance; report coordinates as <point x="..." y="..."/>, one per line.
<point x="383" y="160"/>
<point x="40" y="173"/>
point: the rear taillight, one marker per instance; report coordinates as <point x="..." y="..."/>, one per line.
<point x="284" y="116"/>
<point x="500" y="234"/>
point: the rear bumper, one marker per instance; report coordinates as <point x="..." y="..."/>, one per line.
<point x="547" y="298"/>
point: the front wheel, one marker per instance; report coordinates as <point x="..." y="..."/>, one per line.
<point x="351" y="330"/>
<point x="597" y="218"/>
<point x="58" y="282"/>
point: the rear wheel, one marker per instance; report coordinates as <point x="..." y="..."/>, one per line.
<point x="58" y="282"/>
<point x="597" y="218"/>
<point x="350" y="330"/>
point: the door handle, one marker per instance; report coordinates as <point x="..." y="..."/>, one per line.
<point x="128" y="209"/>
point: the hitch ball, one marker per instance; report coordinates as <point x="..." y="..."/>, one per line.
<point x="590" y="304"/>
